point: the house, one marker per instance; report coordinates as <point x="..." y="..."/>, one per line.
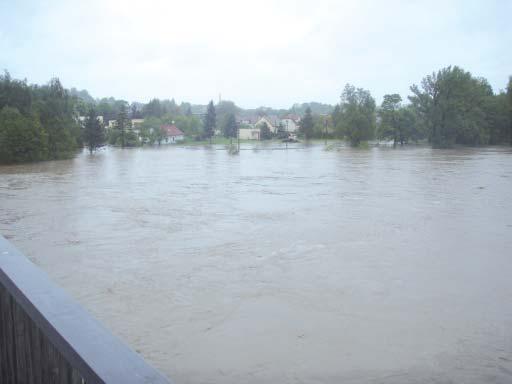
<point x="290" y="123"/>
<point x="136" y="124"/>
<point x="249" y="133"/>
<point x="271" y="123"/>
<point x="172" y="134"/>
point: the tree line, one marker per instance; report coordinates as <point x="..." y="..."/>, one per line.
<point x="448" y="107"/>
<point x="36" y="122"/>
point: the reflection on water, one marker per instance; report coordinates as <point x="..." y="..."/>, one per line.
<point x="376" y="266"/>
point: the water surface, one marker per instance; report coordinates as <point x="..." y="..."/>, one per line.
<point x="299" y="266"/>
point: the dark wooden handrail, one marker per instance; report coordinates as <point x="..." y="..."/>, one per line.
<point x="47" y="337"/>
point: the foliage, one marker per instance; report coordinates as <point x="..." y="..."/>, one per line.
<point x="123" y="125"/>
<point x="22" y="138"/>
<point x="322" y="126"/>
<point x="452" y="104"/>
<point x="229" y="126"/>
<point x="94" y="133"/>
<point x="49" y="107"/>
<point x="509" y="96"/>
<point x="498" y="118"/>
<point x="210" y="121"/>
<point x="355" y="115"/>
<point x="265" y="132"/>
<point x="397" y="122"/>
<point x="306" y="124"/>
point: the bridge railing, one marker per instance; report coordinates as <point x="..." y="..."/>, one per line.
<point x="47" y="337"/>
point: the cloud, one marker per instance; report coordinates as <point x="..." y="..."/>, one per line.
<point x="268" y="52"/>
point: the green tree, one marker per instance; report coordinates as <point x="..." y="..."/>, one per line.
<point x="15" y="94"/>
<point x="22" y="138"/>
<point x="281" y="131"/>
<point x="153" y="108"/>
<point x="148" y="129"/>
<point x="355" y="116"/>
<point x="451" y="104"/>
<point x="265" y="133"/>
<point x="306" y="124"/>
<point x="123" y="125"/>
<point x="210" y="121"/>
<point x="229" y="126"/>
<point x="55" y="109"/>
<point x="389" y="113"/>
<point x="509" y="94"/>
<point x="94" y="133"/>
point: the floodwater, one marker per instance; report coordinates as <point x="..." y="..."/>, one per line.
<point x="283" y="266"/>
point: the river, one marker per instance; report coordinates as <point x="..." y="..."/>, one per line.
<point x="283" y="266"/>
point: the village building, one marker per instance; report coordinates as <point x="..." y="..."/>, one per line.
<point x="172" y="134"/>
<point x="249" y="133"/>
<point x="271" y="123"/>
<point x="290" y="123"/>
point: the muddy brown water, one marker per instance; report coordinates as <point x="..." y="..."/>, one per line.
<point x="299" y="266"/>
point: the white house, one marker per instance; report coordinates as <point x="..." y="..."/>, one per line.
<point x="249" y="133"/>
<point x="172" y="134"/>
<point x="270" y="125"/>
<point x="290" y="125"/>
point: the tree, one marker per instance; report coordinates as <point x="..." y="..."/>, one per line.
<point x="398" y="122"/>
<point x="355" y="116"/>
<point x="497" y="115"/>
<point x="451" y="104"/>
<point x="210" y="121"/>
<point x="509" y="94"/>
<point x="22" y="138"/>
<point x="15" y="94"/>
<point x="306" y="124"/>
<point x="55" y="110"/>
<point x="281" y="131"/>
<point x="230" y="128"/>
<point x="122" y="125"/>
<point x="265" y="133"/>
<point x="94" y="133"/>
<point x="153" y="108"/>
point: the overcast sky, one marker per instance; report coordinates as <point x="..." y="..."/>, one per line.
<point x="271" y="53"/>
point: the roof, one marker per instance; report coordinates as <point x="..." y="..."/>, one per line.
<point x="266" y="119"/>
<point x="171" y="130"/>
<point x="292" y="116"/>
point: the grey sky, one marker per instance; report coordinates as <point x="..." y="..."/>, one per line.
<point x="271" y="53"/>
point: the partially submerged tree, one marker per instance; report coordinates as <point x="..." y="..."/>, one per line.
<point x="509" y="94"/>
<point x="123" y="124"/>
<point x="230" y="128"/>
<point x="94" y="133"/>
<point x="210" y="121"/>
<point x="451" y="103"/>
<point x="355" y="115"/>
<point x="306" y="124"/>
<point x="22" y="138"/>
<point x="390" y="127"/>
<point x="265" y="132"/>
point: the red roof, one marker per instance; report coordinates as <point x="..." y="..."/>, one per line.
<point x="171" y="130"/>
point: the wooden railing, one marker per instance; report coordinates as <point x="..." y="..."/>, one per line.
<point x="46" y="337"/>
